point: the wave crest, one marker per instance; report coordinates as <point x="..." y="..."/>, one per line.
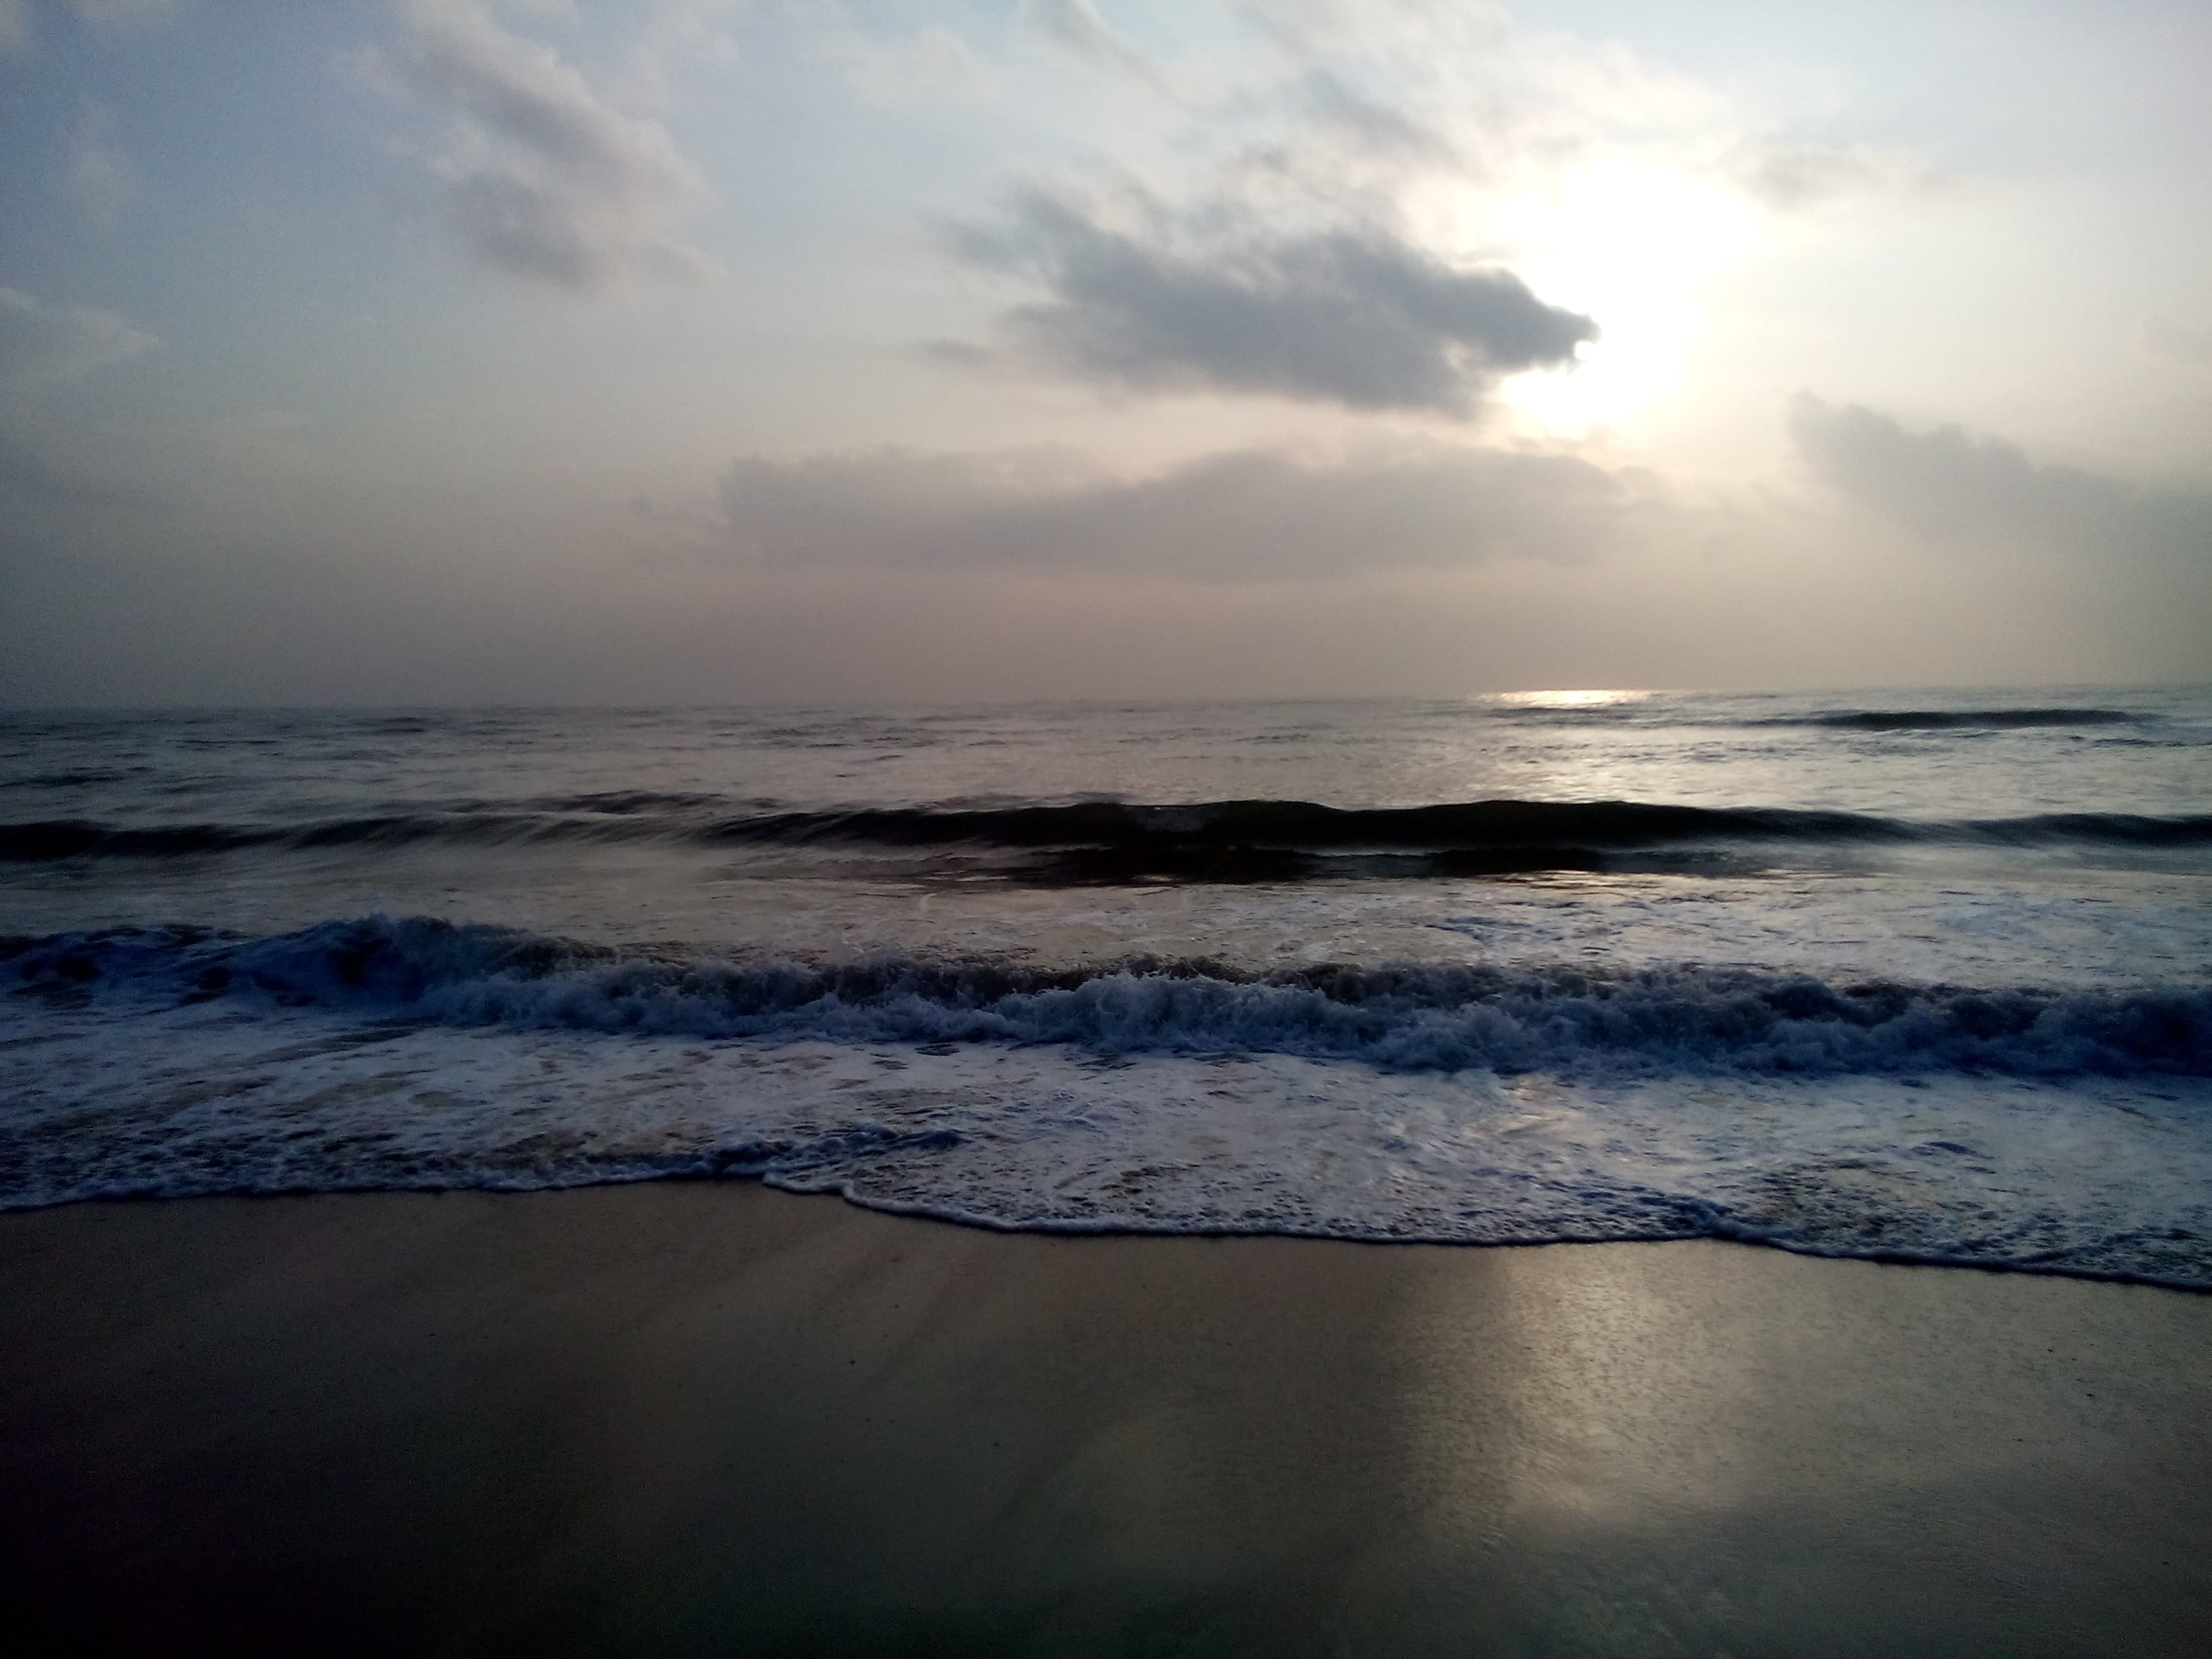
<point x="1954" y="720"/>
<point x="1117" y="841"/>
<point x="1403" y="1017"/>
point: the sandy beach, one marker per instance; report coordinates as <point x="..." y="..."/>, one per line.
<point x="711" y="1418"/>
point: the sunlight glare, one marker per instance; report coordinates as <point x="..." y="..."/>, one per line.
<point x="1580" y="699"/>
<point x="1632" y="243"/>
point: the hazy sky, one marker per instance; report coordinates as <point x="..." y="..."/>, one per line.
<point x="729" y="350"/>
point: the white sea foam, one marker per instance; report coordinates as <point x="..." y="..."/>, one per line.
<point x="1401" y="1017"/>
<point x="2100" y="1176"/>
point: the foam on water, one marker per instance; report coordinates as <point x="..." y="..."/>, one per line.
<point x="1396" y="1017"/>
<point x="2109" y="1176"/>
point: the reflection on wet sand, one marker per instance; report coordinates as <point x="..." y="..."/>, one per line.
<point x="712" y="1418"/>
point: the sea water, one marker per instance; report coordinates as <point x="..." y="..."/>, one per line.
<point x="1922" y="976"/>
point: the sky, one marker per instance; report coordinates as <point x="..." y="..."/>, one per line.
<point x="551" y="352"/>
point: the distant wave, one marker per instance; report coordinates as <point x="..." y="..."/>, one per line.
<point x="1416" y="1017"/>
<point x="1954" y="720"/>
<point x="1111" y="840"/>
<point x="1470" y="826"/>
<point x="1669" y="714"/>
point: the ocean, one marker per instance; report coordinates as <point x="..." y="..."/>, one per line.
<point x="1920" y="976"/>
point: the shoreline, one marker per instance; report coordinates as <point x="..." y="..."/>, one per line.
<point x="707" y="1416"/>
<point x="1129" y="1230"/>
<point x="1747" y="1237"/>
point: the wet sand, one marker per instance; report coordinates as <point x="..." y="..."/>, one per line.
<point x="711" y="1418"/>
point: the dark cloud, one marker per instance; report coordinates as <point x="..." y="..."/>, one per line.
<point x="1246" y="515"/>
<point x="539" y="177"/>
<point x="1359" y="317"/>
<point x="1979" y="494"/>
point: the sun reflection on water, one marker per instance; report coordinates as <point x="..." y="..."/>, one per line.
<point x="1578" y="699"/>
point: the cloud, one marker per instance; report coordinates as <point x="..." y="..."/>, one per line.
<point x="1075" y="27"/>
<point x="1796" y="178"/>
<point x="43" y="346"/>
<point x="894" y="69"/>
<point x="539" y="177"/>
<point x="1243" y="515"/>
<point x="96" y="170"/>
<point x="14" y="27"/>
<point x="1980" y="495"/>
<point x="1359" y="317"/>
<point x="1378" y="128"/>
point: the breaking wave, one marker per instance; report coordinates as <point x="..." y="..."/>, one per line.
<point x="1403" y="1017"/>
